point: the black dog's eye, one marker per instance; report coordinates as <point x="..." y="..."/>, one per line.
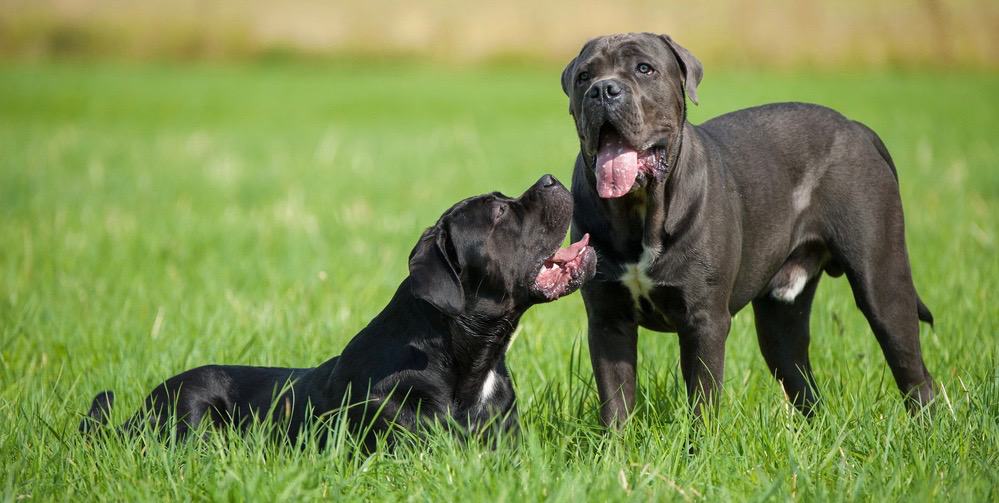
<point x="498" y="211"/>
<point x="583" y="76"/>
<point x="645" y="68"/>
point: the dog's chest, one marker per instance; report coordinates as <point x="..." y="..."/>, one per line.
<point x="488" y="387"/>
<point x="642" y="286"/>
<point x="636" y="278"/>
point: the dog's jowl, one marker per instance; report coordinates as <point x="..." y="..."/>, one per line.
<point x="692" y="223"/>
<point x="436" y="352"/>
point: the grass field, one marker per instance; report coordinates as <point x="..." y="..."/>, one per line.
<point x="154" y="218"/>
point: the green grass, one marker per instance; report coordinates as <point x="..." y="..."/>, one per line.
<point x="154" y="218"/>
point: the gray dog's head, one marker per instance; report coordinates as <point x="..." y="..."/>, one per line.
<point x="626" y="94"/>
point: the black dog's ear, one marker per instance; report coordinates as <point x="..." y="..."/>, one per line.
<point x="433" y="272"/>
<point x="691" y="66"/>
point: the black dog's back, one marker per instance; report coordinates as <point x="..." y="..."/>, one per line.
<point x="227" y="394"/>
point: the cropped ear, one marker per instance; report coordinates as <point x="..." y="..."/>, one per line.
<point x="433" y="272"/>
<point x="691" y="66"/>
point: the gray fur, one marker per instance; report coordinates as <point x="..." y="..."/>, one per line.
<point x="750" y="207"/>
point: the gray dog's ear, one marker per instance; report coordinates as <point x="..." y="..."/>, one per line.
<point x="433" y="272"/>
<point x="567" y="76"/>
<point x="691" y="66"/>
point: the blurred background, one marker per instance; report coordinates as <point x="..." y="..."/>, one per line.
<point x="757" y="33"/>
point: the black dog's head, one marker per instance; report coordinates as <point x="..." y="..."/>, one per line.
<point x="492" y="256"/>
<point x="626" y="94"/>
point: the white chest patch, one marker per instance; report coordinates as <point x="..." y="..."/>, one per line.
<point x="488" y="387"/>
<point x="636" y="278"/>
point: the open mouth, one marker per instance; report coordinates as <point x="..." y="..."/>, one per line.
<point x="566" y="269"/>
<point x="618" y="163"/>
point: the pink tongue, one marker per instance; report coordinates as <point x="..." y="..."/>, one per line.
<point x="617" y="167"/>
<point x="570" y="252"/>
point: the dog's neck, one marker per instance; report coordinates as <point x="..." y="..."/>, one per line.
<point x="668" y="200"/>
<point x="662" y="208"/>
<point x="655" y="200"/>
<point x="473" y="344"/>
<point x="478" y="344"/>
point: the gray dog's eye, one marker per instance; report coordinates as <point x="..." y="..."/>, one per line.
<point x="498" y="211"/>
<point x="645" y="68"/>
<point x="583" y="76"/>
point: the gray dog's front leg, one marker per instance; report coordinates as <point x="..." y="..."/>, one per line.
<point x="614" y="355"/>
<point x="702" y="358"/>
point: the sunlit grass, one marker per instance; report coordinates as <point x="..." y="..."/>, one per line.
<point x="157" y="218"/>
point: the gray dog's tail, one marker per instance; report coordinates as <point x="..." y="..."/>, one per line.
<point x="100" y="412"/>
<point x="924" y="312"/>
<point x="881" y="148"/>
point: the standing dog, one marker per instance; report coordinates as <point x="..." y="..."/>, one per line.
<point x="436" y="352"/>
<point x="691" y="223"/>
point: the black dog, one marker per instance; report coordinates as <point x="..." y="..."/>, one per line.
<point x="691" y="223"/>
<point x="436" y="352"/>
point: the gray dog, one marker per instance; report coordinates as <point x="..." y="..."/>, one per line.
<point x="691" y="223"/>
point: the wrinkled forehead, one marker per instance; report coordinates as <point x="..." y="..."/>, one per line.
<point x="469" y="220"/>
<point x="472" y="208"/>
<point x="469" y="224"/>
<point x="627" y="47"/>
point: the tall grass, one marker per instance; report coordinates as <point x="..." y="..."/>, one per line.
<point x="157" y="217"/>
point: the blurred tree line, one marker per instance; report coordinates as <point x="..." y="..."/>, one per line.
<point x="822" y="34"/>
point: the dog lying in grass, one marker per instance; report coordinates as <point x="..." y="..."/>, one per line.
<point x="436" y="352"/>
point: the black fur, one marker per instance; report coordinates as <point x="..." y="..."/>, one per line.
<point x="426" y="357"/>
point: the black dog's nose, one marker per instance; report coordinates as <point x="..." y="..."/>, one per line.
<point x="608" y="89"/>
<point x="547" y="182"/>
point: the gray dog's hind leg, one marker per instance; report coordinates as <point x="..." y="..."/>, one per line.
<point x="783" y="333"/>
<point x="881" y="280"/>
<point x="891" y="311"/>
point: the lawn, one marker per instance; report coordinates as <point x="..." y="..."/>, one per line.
<point x="159" y="217"/>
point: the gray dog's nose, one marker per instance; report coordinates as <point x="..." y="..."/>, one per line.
<point x="608" y="89"/>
